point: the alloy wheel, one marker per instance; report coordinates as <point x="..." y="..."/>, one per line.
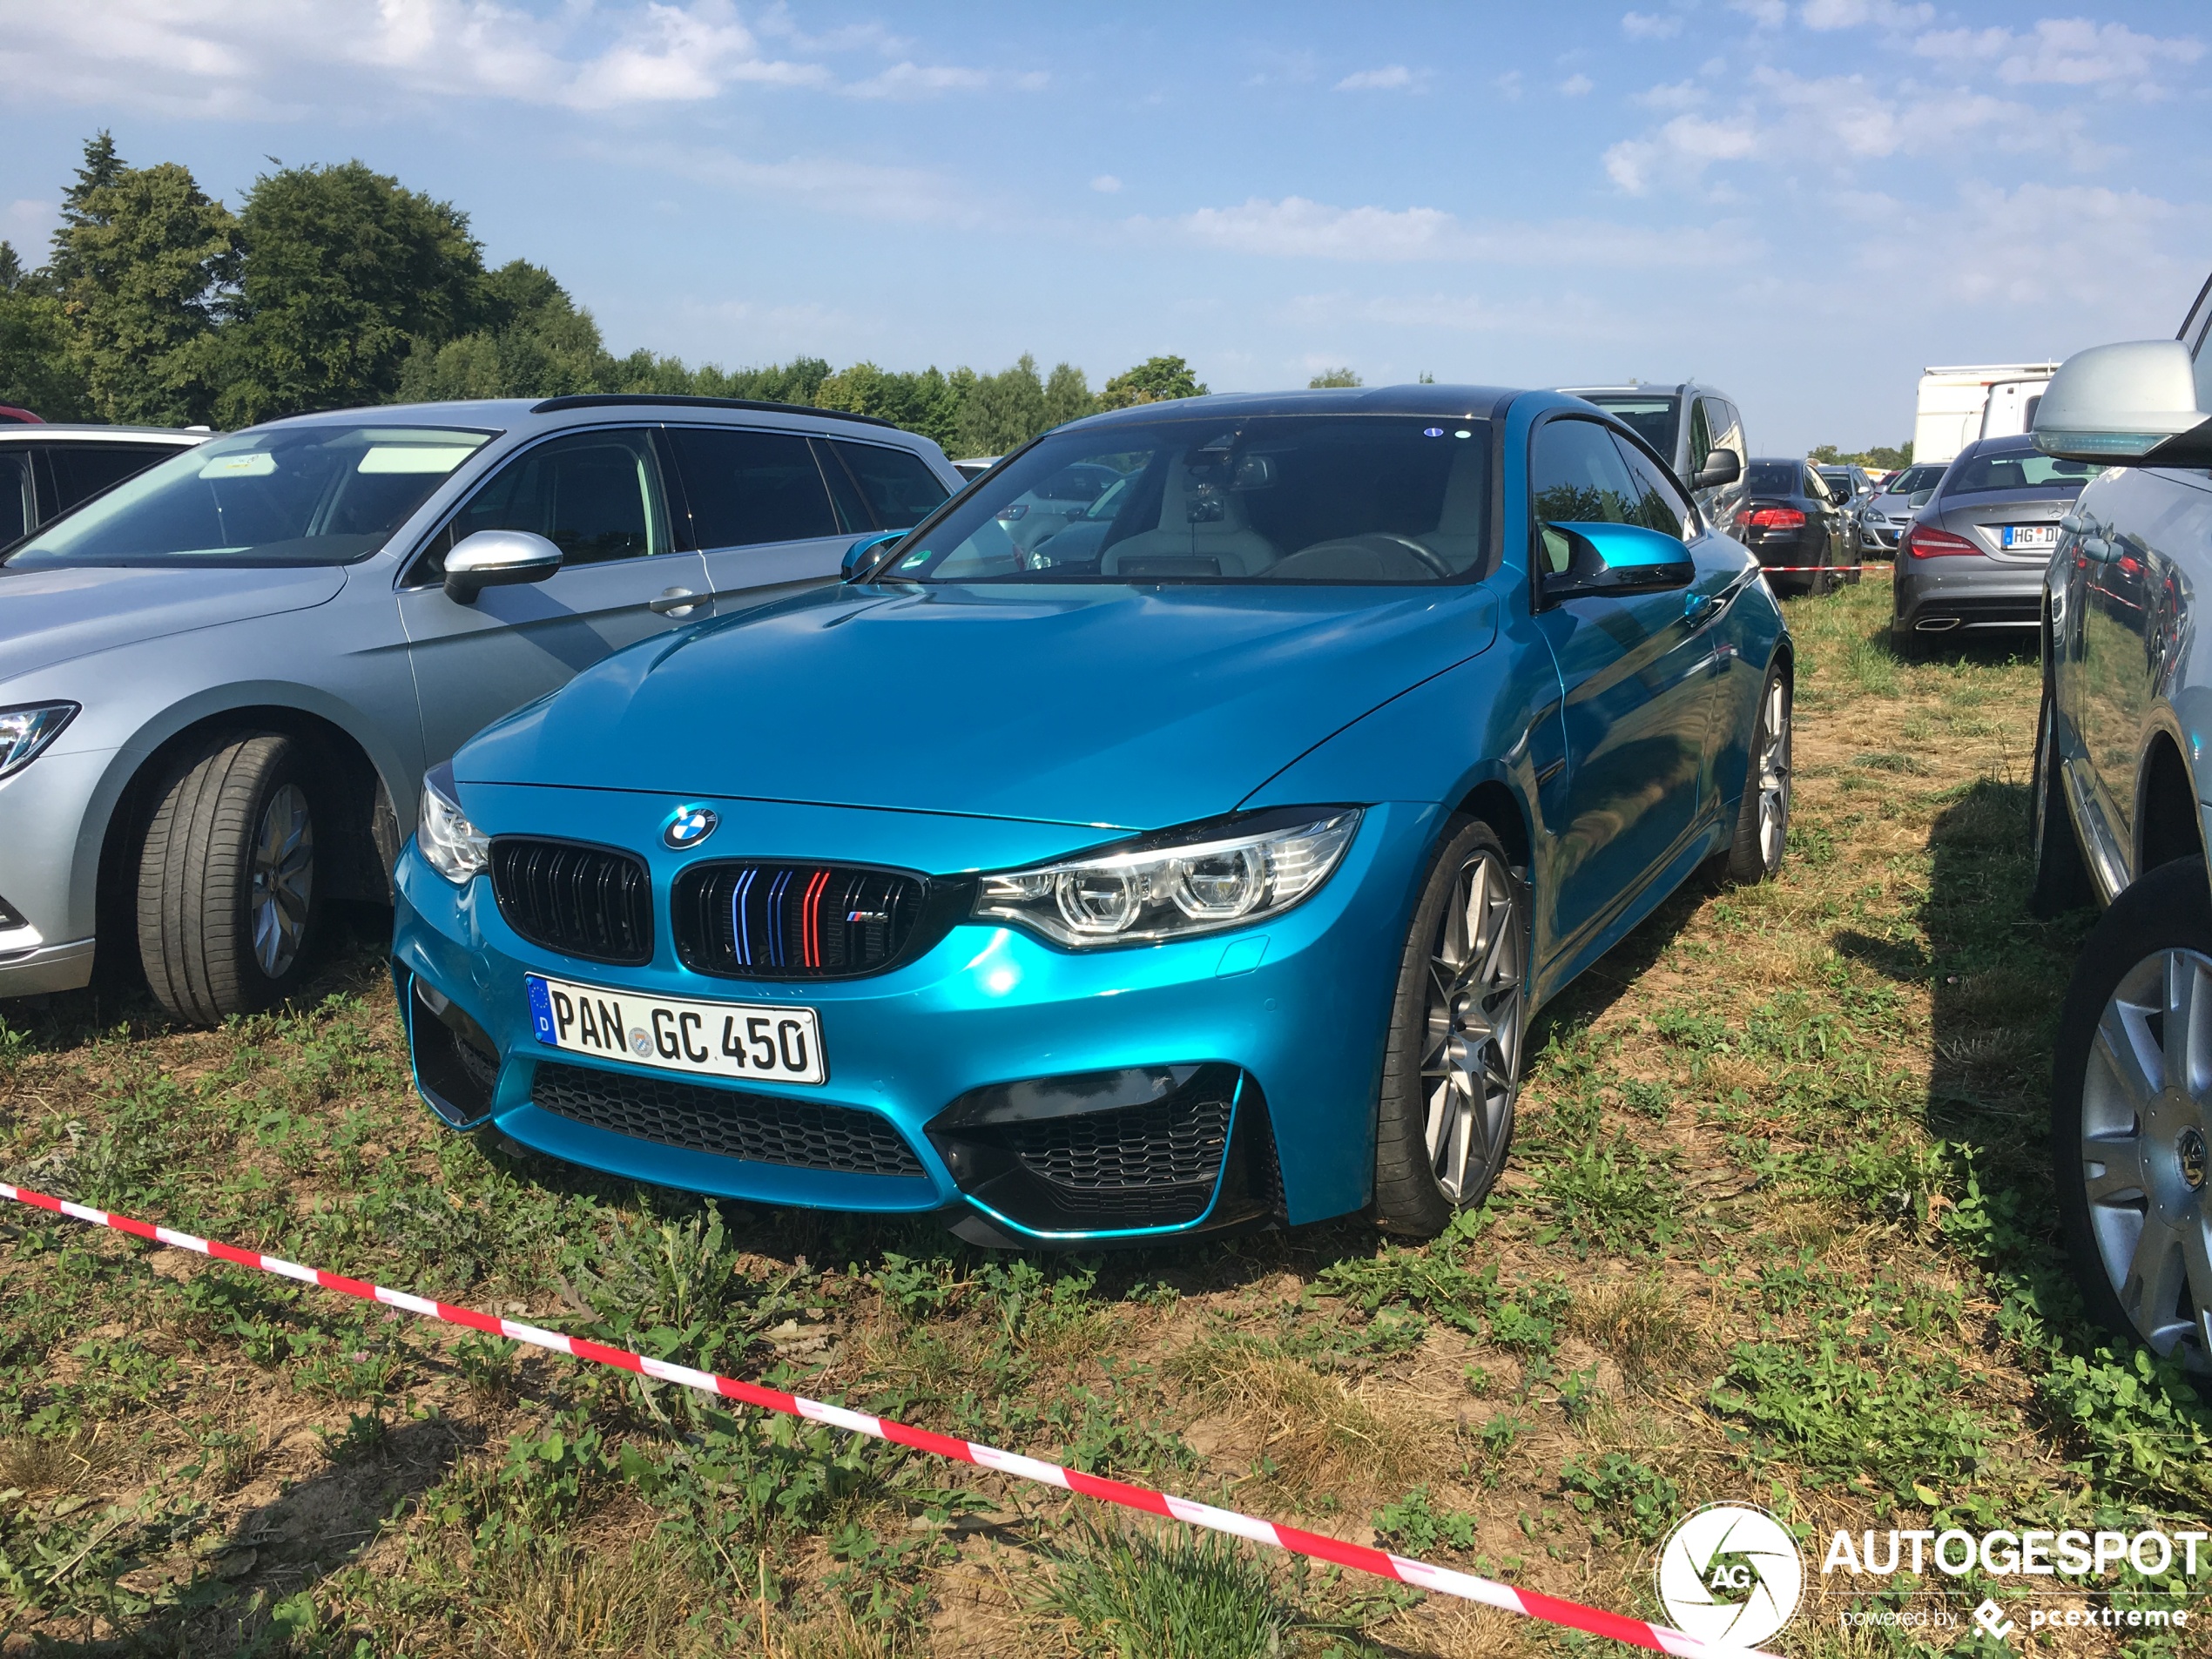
<point x="282" y="872"/>
<point x="2144" y="1153"/>
<point x="1471" y="1051"/>
<point x="1773" y="763"/>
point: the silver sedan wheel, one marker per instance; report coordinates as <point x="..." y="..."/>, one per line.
<point x="2144" y="1151"/>
<point x="1471" y="1053"/>
<point x="282" y="870"/>
<point x="1773" y="763"/>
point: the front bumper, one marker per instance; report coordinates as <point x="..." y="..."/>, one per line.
<point x="1294" y="1010"/>
<point x="30" y="968"/>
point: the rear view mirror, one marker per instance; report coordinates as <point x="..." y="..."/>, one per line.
<point x="1720" y="467"/>
<point x="1584" y="559"/>
<point x="865" y="554"/>
<point x="496" y="559"/>
<point x="2133" y="403"/>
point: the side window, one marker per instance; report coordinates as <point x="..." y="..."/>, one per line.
<point x="18" y="512"/>
<point x="1660" y="505"/>
<point x="1576" y="477"/>
<point x="1816" y="486"/>
<point x="854" y="517"/>
<point x="1728" y="429"/>
<point x="750" y="487"/>
<point x="898" y="483"/>
<point x="595" y="495"/>
<point x="1701" y="434"/>
<point x="81" y="470"/>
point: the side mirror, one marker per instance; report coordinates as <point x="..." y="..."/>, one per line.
<point x="864" y="555"/>
<point x="1721" y="468"/>
<point x="496" y="559"/>
<point x="2132" y="404"/>
<point x="1583" y="559"/>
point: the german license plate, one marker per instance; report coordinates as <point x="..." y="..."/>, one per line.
<point x="779" y="1044"/>
<point x="2031" y="538"/>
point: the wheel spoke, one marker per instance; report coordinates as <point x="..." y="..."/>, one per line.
<point x="2156" y="1276"/>
<point x="2112" y="1165"/>
<point x="2188" y="1010"/>
<point x="2128" y="1056"/>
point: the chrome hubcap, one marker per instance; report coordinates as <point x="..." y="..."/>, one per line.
<point x="1471" y="1054"/>
<point x="1774" y="775"/>
<point x="2144" y="1120"/>
<point x="283" y="874"/>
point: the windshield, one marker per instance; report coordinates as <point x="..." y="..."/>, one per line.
<point x="1362" y="498"/>
<point x="1921" y="477"/>
<point x="2021" y="469"/>
<point x="1652" y="418"/>
<point x="285" y="495"/>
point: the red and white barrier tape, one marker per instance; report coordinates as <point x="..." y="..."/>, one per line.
<point x="1533" y="1604"/>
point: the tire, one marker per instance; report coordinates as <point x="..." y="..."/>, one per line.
<point x="1763" y="817"/>
<point x="228" y="907"/>
<point x="2134" y="1214"/>
<point x="2062" y="876"/>
<point x="1857" y="559"/>
<point x="1452" y="1070"/>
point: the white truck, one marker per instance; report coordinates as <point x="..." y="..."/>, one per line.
<point x="1977" y="400"/>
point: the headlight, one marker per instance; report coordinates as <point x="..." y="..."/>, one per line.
<point x="25" y="730"/>
<point x="1177" y="884"/>
<point x="452" y="846"/>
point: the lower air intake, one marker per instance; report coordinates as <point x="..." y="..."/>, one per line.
<point x="728" y="1122"/>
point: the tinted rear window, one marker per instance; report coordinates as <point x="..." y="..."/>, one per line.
<point x="898" y="486"/>
<point x="751" y="487"/>
<point x="1652" y="419"/>
<point x="81" y="470"/>
<point x="2017" y="470"/>
<point x="1773" y="478"/>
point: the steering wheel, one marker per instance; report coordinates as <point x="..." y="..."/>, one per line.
<point x="1366" y="542"/>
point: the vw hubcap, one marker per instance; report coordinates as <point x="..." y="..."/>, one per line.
<point x="283" y="875"/>
<point x="2144" y="1122"/>
<point x="1470" y="1056"/>
<point x="1774" y="775"/>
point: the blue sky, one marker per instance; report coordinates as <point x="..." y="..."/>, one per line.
<point x="1802" y="201"/>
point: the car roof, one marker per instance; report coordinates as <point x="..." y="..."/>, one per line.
<point x="1444" y="402"/>
<point x="1633" y="388"/>
<point x="525" y="414"/>
<point x="24" y="431"/>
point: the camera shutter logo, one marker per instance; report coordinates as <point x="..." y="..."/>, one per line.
<point x="1730" y="1574"/>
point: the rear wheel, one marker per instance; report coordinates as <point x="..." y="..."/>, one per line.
<point x="228" y="907"/>
<point x="2061" y="877"/>
<point x="1763" y="821"/>
<point x="1452" y="1068"/>
<point x="2131" y="1112"/>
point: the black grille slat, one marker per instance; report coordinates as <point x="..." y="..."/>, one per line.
<point x="595" y="902"/>
<point x="765" y="1128"/>
<point x="788" y="920"/>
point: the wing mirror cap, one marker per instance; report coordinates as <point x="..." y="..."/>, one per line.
<point x="1722" y="467"/>
<point x="1616" y="559"/>
<point x="497" y="558"/>
<point x="862" y="558"/>
<point x="2130" y="404"/>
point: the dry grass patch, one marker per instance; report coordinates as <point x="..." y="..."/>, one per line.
<point x="1640" y="1322"/>
<point x="1320" y="1433"/>
<point x="559" y="1599"/>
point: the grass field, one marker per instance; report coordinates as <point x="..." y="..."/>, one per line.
<point x="1777" y="1227"/>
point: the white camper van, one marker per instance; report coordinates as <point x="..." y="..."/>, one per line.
<point x="1978" y="401"/>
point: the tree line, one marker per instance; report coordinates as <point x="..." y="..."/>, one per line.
<point x="336" y="286"/>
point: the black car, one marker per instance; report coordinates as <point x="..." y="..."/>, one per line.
<point x="46" y="468"/>
<point x="1793" y="526"/>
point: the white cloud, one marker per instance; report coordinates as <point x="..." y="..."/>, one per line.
<point x="1508" y="86"/>
<point x="1767" y="13"/>
<point x="824" y="184"/>
<point x="1576" y="85"/>
<point x="1107" y="184"/>
<point x="1678" y="95"/>
<point x="287" y="59"/>
<point x="1569" y="316"/>
<point x="1640" y="25"/>
<point x="2068" y="51"/>
<point x="1392" y="78"/>
<point x="1852" y="14"/>
<point x="1295" y="227"/>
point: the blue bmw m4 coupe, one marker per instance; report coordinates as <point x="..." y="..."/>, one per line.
<point x="1156" y="857"/>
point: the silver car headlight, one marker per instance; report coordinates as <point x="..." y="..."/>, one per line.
<point x="452" y="846"/>
<point x="24" y="732"/>
<point x="1178" y="883"/>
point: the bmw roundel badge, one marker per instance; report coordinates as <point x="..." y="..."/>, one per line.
<point x="691" y="825"/>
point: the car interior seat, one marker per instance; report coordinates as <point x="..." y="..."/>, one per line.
<point x="1203" y="530"/>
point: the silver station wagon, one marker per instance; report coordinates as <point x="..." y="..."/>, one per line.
<point x="221" y="681"/>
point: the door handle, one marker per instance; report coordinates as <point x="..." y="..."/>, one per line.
<point x="674" y="602"/>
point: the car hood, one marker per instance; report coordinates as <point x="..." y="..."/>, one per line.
<point x="1117" y="707"/>
<point x="57" y="614"/>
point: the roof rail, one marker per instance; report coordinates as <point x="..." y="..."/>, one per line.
<point x="633" y="400"/>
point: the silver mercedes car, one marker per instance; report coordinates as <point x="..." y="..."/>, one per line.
<point x="221" y="681"/>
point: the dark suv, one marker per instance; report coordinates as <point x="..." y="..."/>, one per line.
<point x="2119" y="815"/>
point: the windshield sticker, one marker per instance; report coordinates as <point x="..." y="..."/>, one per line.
<point x="255" y="463"/>
<point x="414" y="457"/>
